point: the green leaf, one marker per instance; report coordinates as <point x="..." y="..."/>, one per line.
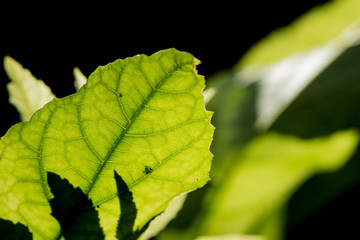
<point x="27" y="93"/>
<point x="143" y="117"/>
<point x="327" y="104"/>
<point x="272" y="167"/>
<point x="128" y="212"/>
<point x="234" y="107"/>
<point x="253" y="194"/>
<point x="161" y="221"/>
<point x="128" y="209"/>
<point x="313" y="29"/>
<point x="74" y="211"/>
<point x="333" y="88"/>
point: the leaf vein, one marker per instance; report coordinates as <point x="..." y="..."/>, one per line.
<point x="156" y="166"/>
<point x="124" y="132"/>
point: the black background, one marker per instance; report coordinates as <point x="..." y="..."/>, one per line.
<point x="51" y="40"/>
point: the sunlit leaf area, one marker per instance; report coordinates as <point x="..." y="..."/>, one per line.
<point x="168" y="144"/>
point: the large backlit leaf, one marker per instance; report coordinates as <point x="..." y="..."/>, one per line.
<point x="143" y="117"/>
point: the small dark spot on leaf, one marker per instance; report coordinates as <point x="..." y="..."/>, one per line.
<point x="97" y="206"/>
<point x="120" y="95"/>
<point x="147" y="170"/>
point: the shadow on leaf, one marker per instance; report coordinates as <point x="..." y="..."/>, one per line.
<point x="11" y="231"/>
<point x="74" y="211"/>
<point x="128" y="212"/>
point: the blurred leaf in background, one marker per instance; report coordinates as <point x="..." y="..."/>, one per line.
<point x="27" y="93"/>
<point x="287" y="120"/>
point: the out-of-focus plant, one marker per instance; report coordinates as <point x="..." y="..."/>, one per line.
<point x="287" y="112"/>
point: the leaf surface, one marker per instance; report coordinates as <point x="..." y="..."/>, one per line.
<point x="143" y="117"/>
<point x="128" y="212"/>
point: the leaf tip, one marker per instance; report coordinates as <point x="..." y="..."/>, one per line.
<point x="8" y="63"/>
<point x="196" y="61"/>
<point x="7" y="58"/>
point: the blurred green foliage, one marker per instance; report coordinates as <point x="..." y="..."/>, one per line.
<point x="286" y="115"/>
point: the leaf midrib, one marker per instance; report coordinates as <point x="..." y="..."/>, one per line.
<point x="132" y="120"/>
<point x="154" y="168"/>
